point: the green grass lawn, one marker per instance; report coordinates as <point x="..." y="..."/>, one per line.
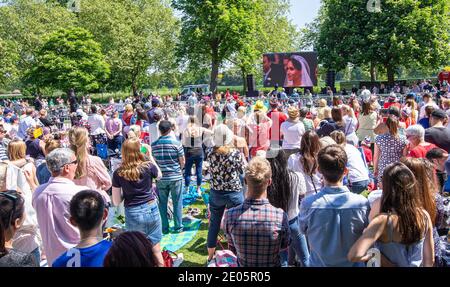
<point x="195" y="252"/>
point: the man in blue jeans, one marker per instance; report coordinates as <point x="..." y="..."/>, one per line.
<point x="169" y="155"/>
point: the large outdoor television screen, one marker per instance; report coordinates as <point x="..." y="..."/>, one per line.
<point x="290" y="69"/>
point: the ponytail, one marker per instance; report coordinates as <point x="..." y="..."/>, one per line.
<point x="392" y="124"/>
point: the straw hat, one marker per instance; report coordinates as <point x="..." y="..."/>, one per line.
<point x="259" y="105"/>
<point x="293" y="113"/>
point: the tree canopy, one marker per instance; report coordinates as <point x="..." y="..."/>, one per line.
<point x="70" y="58"/>
<point x="403" y="34"/>
<point x="154" y="43"/>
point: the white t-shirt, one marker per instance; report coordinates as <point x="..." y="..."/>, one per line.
<point x="298" y="189"/>
<point x="357" y="170"/>
<point x="97" y="124"/>
<point x="350" y="125"/>
<point x="311" y="186"/>
<point x="422" y="109"/>
<point x="153" y="130"/>
<point x="292" y="134"/>
<point x="27" y="237"/>
<point x="182" y="122"/>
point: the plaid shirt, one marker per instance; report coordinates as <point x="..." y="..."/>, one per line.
<point x="257" y="231"/>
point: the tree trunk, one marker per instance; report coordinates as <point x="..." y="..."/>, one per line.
<point x="134" y="86"/>
<point x="391" y="75"/>
<point x="214" y="66"/>
<point x="373" y="72"/>
<point x="244" y="79"/>
<point x="214" y="74"/>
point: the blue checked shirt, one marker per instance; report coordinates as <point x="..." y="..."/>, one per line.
<point x="257" y="231"/>
<point x="167" y="152"/>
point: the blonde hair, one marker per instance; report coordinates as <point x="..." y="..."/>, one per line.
<point x="133" y="161"/>
<point x="327" y="112"/>
<point x="78" y="138"/>
<point x="51" y="144"/>
<point x="134" y="132"/>
<point x="16" y="150"/>
<point x="322" y="103"/>
<point x="445" y="102"/>
<point x="326" y="141"/>
<point x="258" y="173"/>
<point x="128" y="108"/>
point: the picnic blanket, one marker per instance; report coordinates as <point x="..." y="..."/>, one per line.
<point x="190" y="194"/>
<point x="175" y="241"/>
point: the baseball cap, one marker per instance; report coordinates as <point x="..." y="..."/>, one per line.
<point x="439" y="114"/>
<point x="392" y="96"/>
<point x="366" y="141"/>
<point x="155" y="101"/>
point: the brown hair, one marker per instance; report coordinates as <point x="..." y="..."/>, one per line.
<point x="336" y="114"/>
<point x="130" y="249"/>
<point x="367" y="108"/>
<point x="16" y="150"/>
<point x="332" y="162"/>
<point x="309" y="148"/>
<point x="428" y="110"/>
<point x="422" y="170"/>
<point x="392" y="125"/>
<point x="133" y="161"/>
<point x="401" y="195"/>
<point x="338" y="137"/>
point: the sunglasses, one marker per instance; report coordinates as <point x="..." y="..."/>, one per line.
<point x="11" y="195"/>
<point x="72" y="162"/>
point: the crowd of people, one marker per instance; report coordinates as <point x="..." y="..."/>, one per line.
<point x="292" y="183"/>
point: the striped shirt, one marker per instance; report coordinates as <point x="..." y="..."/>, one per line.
<point x="167" y="151"/>
<point x="257" y="231"/>
<point x="4" y="150"/>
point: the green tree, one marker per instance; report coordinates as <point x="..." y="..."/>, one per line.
<point x="8" y="60"/>
<point x="137" y="37"/>
<point x="24" y="24"/>
<point x="70" y="58"/>
<point x="213" y="30"/>
<point x="404" y="34"/>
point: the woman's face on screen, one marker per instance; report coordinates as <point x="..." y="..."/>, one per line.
<point x="292" y="72"/>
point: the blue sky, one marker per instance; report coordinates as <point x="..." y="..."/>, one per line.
<point x="304" y="11"/>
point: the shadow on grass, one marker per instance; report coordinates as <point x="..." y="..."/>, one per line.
<point x="198" y="247"/>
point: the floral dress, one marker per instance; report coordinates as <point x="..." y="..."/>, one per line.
<point x="225" y="170"/>
<point x="442" y="223"/>
<point x="391" y="150"/>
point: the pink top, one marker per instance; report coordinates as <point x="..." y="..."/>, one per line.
<point x="113" y="125"/>
<point x="51" y="202"/>
<point x="97" y="177"/>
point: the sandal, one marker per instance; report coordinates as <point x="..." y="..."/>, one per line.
<point x="195" y="211"/>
